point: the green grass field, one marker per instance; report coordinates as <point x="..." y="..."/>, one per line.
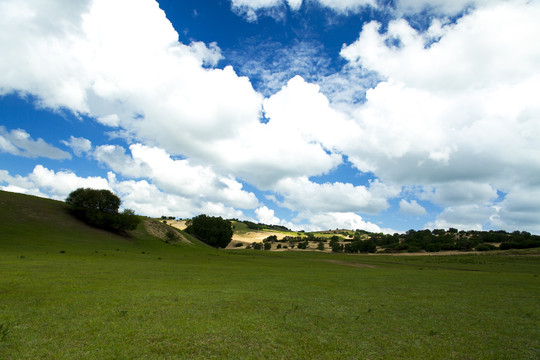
<point x="68" y="291"/>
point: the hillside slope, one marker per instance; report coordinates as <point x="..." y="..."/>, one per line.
<point x="29" y="222"/>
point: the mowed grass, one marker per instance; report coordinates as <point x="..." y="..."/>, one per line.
<point x="68" y="297"/>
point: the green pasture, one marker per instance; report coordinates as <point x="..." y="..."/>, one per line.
<point x="68" y="291"/>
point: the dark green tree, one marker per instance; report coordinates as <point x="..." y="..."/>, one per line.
<point x="100" y="208"/>
<point x="213" y="231"/>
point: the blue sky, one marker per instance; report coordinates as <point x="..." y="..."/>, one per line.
<point x="313" y="114"/>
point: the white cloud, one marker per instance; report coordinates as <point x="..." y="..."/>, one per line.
<point x="461" y="193"/>
<point x="301" y="194"/>
<point x="411" y="207"/>
<point x="141" y="196"/>
<point x="441" y="6"/>
<point x="347" y="5"/>
<point x="48" y="183"/>
<point x="464" y="217"/>
<point x="249" y="8"/>
<point x="457" y="115"/>
<point x="133" y="73"/>
<point x="177" y="177"/>
<point x="338" y="220"/>
<point x="266" y="216"/>
<point x="79" y="145"/>
<point x="19" y="142"/>
<point x="520" y="210"/>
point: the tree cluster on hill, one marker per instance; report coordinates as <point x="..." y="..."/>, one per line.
<point x="214" y="231"/>
<point x="99" y="208"/>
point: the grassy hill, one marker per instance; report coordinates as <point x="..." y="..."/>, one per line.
<point x="68" y="291"/>
<point x="33" y="223"/>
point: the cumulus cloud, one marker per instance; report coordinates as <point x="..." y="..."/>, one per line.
<point x="266" y="216"/>
<point x="178" y="177"/>
<point x="519" y="210"/>
<point x="455" y="114"/>
<point x="141" y="196"/>
<point x="79" y="145"/>
<point x="19" y="142"/>
<point x="124" y="56"/>
<point x="411" y="207"/>
<point x="452" y="110"/>
<point x="48" y="183"/>
<point x="338" y="220"/>
<point x="464" y="217"/>
<point x="304" y="195"/>
<point x="250" y="9"/>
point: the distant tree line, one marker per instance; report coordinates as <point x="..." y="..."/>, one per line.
<point x="415" y="241"/>
<point x="99" y="208"/>
<point x="437" y="240"/>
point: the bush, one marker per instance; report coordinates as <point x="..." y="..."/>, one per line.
<point x="303" y="245"/>
<point x="486" y="247"/>
<point x="267" y="246"/>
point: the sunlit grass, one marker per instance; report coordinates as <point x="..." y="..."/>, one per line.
<point x="69" y="292"/>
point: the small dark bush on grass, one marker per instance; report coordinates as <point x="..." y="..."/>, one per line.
<point x="486" y="247"/>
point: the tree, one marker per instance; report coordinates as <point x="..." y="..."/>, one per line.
<point x="100" y="208"/>
<point x="213" y="231"/>
<point x="86" y="199"/>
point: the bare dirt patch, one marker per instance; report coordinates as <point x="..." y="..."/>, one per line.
<point x="179" y="224"/>
<point x="160" y="231"/>
<point x="256" y="236"/>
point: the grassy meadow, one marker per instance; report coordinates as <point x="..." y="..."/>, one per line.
<point x="68" y="291"/>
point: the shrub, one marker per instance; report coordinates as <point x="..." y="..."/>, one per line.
<point x="303" y="245"/>
<point x="267" y="246"/>
<point x="486" y="247"/>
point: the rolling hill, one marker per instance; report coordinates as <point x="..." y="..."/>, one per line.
<point x="29" y="222"/>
